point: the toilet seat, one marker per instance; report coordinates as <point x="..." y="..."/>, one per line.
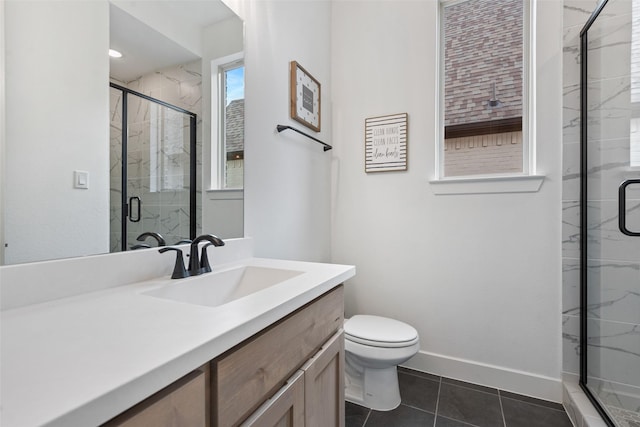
<point x="377" y="331"/>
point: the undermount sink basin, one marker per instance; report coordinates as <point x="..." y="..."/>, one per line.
<point x="217" y="288"/>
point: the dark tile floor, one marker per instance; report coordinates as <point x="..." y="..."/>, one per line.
<point x="429" y="400"/>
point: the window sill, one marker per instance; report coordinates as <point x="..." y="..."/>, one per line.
<point x="226" y="194"/>
<point x="485" y="185"/>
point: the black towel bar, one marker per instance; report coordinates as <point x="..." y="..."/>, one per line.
<point x="280" y="128"/>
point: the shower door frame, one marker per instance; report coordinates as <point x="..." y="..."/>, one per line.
<point x="192" y="159"/>
<point x="583" y="213"/>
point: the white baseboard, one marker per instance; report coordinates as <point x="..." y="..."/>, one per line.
<point x="525" y="383"/>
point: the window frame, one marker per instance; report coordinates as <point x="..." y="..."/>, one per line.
<point x="491" y="182"/>
<point x="218" y="116"/>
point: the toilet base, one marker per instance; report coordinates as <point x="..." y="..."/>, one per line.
<point x="374" y="388"/>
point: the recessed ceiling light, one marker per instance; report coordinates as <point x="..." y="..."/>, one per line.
<point x="114" y="53"/>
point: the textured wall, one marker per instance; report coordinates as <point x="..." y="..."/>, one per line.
<point x="483" y="51"/>
<point x="494" y="153"/>
<point x="483" y="46"/>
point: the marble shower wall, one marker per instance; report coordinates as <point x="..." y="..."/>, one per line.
<point x="614" y="266"/>
<point x="166" y="207"/>
<point x="576" y="13"/>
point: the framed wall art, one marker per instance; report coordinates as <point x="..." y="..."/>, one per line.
<point x="305" y="97"/>
<point x="385" y="143"/>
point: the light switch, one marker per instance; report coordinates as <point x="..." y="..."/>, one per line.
<point x="81" y="179"/>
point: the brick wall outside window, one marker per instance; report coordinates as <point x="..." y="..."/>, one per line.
<point x="483" y="47"/>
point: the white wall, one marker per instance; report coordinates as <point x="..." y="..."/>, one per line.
<point x="46" y="141"/>
<point x="165" y="19"/>
<point x="223" y="213"/>
<point x="479" y="276"/>
<point x="287" y="177"/>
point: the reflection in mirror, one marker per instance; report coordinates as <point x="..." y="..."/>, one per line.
<point x="58" y="104"/>
<point x="153" y="190"/>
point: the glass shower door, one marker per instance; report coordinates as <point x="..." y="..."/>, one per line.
<point x="158" y="171"/>
<point x="611" y="211"/>
<point x="157" y="176"/>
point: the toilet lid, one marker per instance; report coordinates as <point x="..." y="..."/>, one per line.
<point x="379" y="331"/>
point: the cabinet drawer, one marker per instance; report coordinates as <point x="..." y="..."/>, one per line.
<point x="250" y="373"/>
<point x="182" y="404"/>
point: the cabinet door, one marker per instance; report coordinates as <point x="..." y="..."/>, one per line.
<point x="324" y="385"/>
<point x="182" y="404"/>
<point x="284" y="409"/>
<point x="246" y="376"/>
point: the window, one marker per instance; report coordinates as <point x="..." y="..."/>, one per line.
<point x="168" y="148"/>
<point x="228" y="169"/>
<point x="484" y="88"/>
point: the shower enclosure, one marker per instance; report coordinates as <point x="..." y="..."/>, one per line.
<point x="610" y="211"/>
<point x="153" y="164"/>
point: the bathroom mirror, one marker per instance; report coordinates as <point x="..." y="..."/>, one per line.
<point x="63" y="147"/>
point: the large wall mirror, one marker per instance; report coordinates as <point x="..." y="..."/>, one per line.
<point x="106" y="154"/>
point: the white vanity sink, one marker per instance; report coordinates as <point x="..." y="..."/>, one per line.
<point x="217" y="288"/>
<point x="114" y="339"/>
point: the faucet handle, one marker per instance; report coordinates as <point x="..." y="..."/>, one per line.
<point x="179" y="272"/>
<point x="205" y="267"/>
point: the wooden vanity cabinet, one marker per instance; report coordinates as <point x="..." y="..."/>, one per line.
<point x="261" y="368"/>
<point x="184" y="403"/>
<point x="313" y="396"/>
<point x="290" y="374"/>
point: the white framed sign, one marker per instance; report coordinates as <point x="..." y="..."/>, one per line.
<point x="385" y="143"/>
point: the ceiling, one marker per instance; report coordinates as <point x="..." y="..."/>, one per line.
<point x="144" y="49"/>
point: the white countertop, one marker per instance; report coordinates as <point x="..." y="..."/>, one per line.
<point x="81" y="360"/>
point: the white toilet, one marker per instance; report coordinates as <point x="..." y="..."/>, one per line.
<point x="374" y="347"/>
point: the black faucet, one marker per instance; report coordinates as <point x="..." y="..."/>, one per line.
<point x="157" y="236"/>
<point x="179" y="271"/>
<point x="196" y="265"/>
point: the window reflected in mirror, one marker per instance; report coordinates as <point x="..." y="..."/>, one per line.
<point x="232" y="143"/>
